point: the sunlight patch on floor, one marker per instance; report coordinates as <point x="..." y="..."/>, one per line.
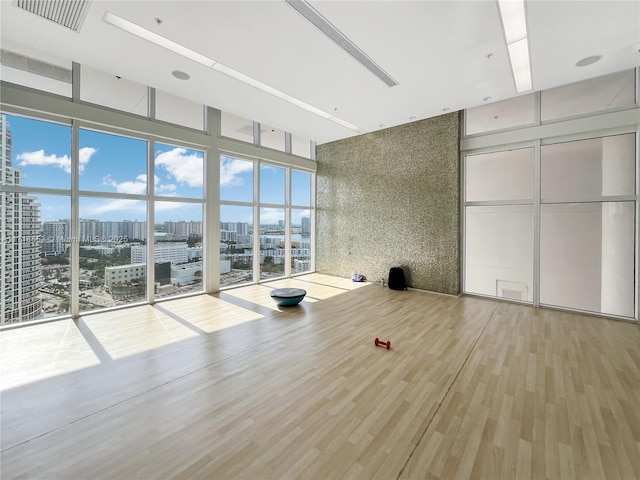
<point x="208" y="313"/>
<point x="45" y="350"/>
<point x="126" y="332"/>
<point x="42" y="351"/>
<point x="253" y="294"/>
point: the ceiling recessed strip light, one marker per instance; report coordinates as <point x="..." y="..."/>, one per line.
<point x="514" y="20"/>
<point x="325" y="26"/>
<point x="152" y="37"/>
<point x="159" y="40"/>
<point x="514" y="23"/>
<point x="519" y="54"/>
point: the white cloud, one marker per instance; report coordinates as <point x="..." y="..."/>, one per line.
<point x="139" y="186"/>
<point x="127" y="207"/>
<point x="271" y="216"/>
<point x="185" y="168"/>
<point x="168" y="187"/>
<point x="231" y="169"/>
<point x="39" y="158"/>
<point x="85" y="155"/>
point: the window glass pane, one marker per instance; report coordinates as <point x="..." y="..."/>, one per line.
<point x="594" y="167"/>
<point x="300" y="146"/>
<point x="178" y="266"/>
<point x="587" y="257"/>
<point x="595" y="95"/>
<point x="499" y="251"/>
<point x="112" y="163"/>
<point x="272" y="184"/>
<point x="272" y="248"/>
<point x="236" y="245"/>
<point x="34" y="251"/>
<point x="500" y="175"/>
<point x="300" y="241"/>
<point x="179" y="171"/>
<point x="180" y="111"/>
<point x="300" y="188"/>
<point x="113" y="91"/>
<point x="514" y="112"/>
<point x="271" y="137"/>
<point x="35" y="153"/>
<point x="236" y="127"/>
<point x="236" y="179"/>
<point x="55" y="212"/>
<point x="112" y="236"/>
<point x="35" y="69"/>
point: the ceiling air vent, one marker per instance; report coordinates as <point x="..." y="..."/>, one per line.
<point x="68" y="13"/>
<point x="31" y="65"/>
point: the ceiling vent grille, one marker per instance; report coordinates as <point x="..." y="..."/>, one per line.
<point x="37" y="67"/>
<point x="68" y="13"/>
<point x="322" y="24"/>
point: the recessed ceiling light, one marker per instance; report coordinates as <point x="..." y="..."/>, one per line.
<point x="180" y="75"/>
<point x="382" y="125"/>
<point x="486" y="99"/>
<point x="446" y="109"/>
<point x="413" y="117"/>
<point x="588" y="60"/>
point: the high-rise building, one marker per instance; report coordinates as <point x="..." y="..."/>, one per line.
<point x="191" y="229"/>
<point x="241" y="228"/>
<point x="55" y="237"/>
<point x="20" y="242"/>
<point x="306" y="225"/>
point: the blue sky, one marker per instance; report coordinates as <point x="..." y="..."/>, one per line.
<point x="111" y="163"/>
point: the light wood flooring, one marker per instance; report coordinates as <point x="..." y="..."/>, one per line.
<point x="229" y="386"/>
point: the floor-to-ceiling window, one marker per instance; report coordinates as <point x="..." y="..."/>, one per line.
<point x="35" y="206"/>
<point x="264" y="208"/>
<point x="551" y="201"/>
<point x="112" y="178"/>
<point x="178" y="220"/>
<point x="237" y="211"/>
<point x="301" y="221"/>
<point x="107" y="200"/>
<point x="272" y="221"/>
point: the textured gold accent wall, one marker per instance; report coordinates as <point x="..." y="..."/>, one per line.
<point x="392" y="198"/>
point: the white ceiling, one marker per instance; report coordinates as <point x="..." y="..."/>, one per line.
<point x="436" y="50"/>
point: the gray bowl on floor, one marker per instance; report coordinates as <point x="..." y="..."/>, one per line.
<point x="288" y="297"/>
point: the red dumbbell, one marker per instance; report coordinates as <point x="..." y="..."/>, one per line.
<point x="380" y="343"/>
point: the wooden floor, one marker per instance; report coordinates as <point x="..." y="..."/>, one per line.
<point x="229" y="386"/>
